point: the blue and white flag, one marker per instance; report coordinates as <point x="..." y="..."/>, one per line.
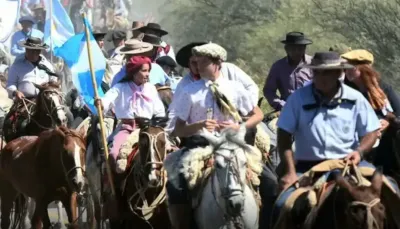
<point x="58" y="27"/>
<point x="9" y="14"/>
<point x="75" y="54"/>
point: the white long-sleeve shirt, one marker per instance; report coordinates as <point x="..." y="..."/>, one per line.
<point x="22" y="74"/>
<point x="146" y="104"/>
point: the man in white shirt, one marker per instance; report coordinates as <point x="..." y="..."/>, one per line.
<point x="201" y="107"/>
<point x="30" y="68"/>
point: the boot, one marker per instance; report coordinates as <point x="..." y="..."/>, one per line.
<point x="180" y="215"/>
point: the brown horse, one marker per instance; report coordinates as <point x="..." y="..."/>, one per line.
<point x="144" y="193"/>
<point x="166" y="95"/>
<point x="348" y="206"/>
<point x="46" y="168"/>
<point x="46" y="111"/>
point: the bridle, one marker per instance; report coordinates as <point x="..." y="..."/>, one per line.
<point x="52" y="109"/>
<point x="154" y="150"/>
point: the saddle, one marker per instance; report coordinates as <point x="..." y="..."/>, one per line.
<point x="17" y="119"/>
<point x="315" y="184"/>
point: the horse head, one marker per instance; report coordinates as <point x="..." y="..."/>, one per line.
<point x="50" y="103"/>
<point x="152" y="149"/>
<point x="72" y="156"/>
<point x="230" y="166"/>
<point x="362" y="206"/>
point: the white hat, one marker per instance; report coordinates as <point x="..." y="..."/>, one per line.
<point x="211" y="50"/>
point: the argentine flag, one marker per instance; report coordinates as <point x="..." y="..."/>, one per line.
<point x="58" y="25"/>
<point x="75" y="54"/>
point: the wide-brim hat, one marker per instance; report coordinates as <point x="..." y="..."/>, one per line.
<point x="33" y="43"/>
<point x="134" y="46"/>
<point x="184" y="54"/>
<point x="152" y="39"/>
<point x="38" y="6"/>
<point x="153" y="28"/>
<point x="27" y="18"/>
<point x="296" y="38"/>
<point x="328" y="61"/>
<point x="99" y="35"/>
<point x="359" y="56"/>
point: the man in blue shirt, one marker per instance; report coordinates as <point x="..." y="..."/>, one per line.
<point x="27" y="31"/>
<point x="323" y="118"/>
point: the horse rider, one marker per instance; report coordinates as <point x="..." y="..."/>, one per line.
<point x="32" y="67"/>
<point x="213" y="103"/>
<point x="118" y="38"/>
<point x="157" y="74"/>
<point x="323" y="118"/>
<point x="168" y="65"/>
<point x="383" y="99"/>
<point x="155" y="29"/>
<point x="99" y="37"/>
<point x="286" y="75"/>
<point x="131" y="98"/>
<point x="186" y="59"/>
<point x="40" y="16"/>
<point x="27" y="31"/>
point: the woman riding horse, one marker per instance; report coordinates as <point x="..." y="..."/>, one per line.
<point x="383" y="100"/>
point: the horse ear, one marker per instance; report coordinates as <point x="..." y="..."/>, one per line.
<point x="377" y="181"/>
<point x="214" y="140"/>
<point x="40" y="87"/>
<point x="343" y="183"/>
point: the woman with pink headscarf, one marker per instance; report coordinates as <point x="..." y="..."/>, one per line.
<point x="132" y="97"/>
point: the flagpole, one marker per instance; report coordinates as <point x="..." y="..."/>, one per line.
<point x="99" y="108"/>
<point x="51" y="31"/>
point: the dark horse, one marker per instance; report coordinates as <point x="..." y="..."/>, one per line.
<point x="142" y="202"/>
<point x="45" y="168"/>
<point x="28" y="117"/>
<point x="347" y="206"/>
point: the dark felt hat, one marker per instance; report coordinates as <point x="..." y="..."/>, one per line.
<point x="296" y="38"/>
<point x="117" y="35"/>
<point x="152" y="39"/>
<point x="153" y="28"/>
<point x="328" y="61"/>
<point x="33" y="43"/>
<point x="99" y="35"/>
<point x="184" y="54"/>
<point x="166" y="60"/>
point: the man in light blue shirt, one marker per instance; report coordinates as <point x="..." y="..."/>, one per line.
<point x="27" y="31"/>
<point x="323" y="118"/>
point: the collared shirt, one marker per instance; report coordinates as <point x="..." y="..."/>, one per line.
<point x="22" y="74"/>
<point x="286" y="79"/>
<point x="228" y="70"/>
<point x="323" y="132"/>
<point x="19" y="36"/>
<point x="197" y="98"/>
<point x="171" y="52"/>
<point x="146" y="104"/>
<point x="157" y="75"/>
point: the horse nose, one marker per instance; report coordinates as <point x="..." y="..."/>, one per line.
<point x="235" y="205"/>
<point x="79" y="186"/>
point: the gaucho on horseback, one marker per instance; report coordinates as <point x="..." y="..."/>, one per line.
<point x="26" y="75"/>
<point x="328" y="120"/>
<point x="212" y="103"/>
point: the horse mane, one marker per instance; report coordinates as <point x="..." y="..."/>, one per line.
<point x="51" y="84"/>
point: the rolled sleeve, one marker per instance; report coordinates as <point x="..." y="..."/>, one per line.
<point x="367" y="121"/>
<point x="288" y="119"/>
<point x="245" y="104"/>
<point x="185" y="105"/>
<point x="16" y="50"/>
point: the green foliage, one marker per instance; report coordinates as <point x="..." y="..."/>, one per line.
<point x="251" y="30"/>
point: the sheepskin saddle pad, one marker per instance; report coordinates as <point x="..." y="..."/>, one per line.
<point x="127" y="151"/>
<point x="196" y="165"/>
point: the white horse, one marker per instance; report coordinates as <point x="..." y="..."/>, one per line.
<point x="227" y="201"/>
